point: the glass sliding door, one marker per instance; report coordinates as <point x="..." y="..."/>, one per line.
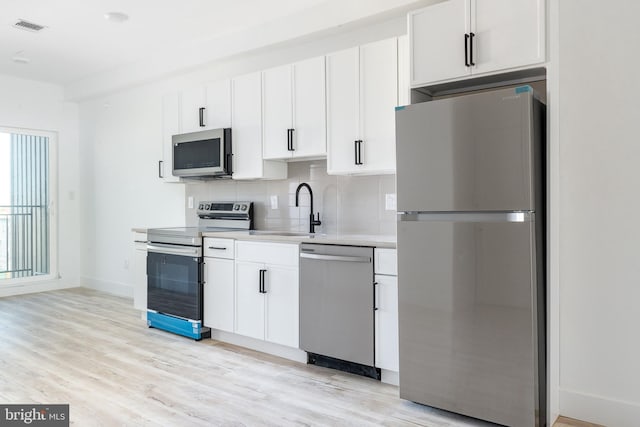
<point x="25" y="200"/>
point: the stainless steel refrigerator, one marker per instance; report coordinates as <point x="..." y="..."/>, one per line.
<point x="471" y="255"/>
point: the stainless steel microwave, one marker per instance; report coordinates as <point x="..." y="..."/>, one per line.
<point x="203" y="154"/>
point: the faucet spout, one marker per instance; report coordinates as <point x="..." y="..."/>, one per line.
<point x="312" y="219"/>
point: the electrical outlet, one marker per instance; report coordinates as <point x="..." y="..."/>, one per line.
<point x="190" y="202"/>
<point x="126" y="264"/>
<point x="390" y="201"/>
<point x="274" y="202"/>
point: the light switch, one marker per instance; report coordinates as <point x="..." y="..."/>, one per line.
<point x="390" y="201"/>
<point x="274" y="202"/>
<point x="190" y="202"/>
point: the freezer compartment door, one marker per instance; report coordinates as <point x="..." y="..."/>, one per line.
<point x="469" y="153"/>
<point x="468" y="317"/>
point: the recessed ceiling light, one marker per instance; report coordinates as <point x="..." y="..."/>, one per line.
<point x="21" y="59"/>
<point x="116" y="17"/>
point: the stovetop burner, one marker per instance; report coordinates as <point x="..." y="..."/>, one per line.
<point x="213" y="217"/>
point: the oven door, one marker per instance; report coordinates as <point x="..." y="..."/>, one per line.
<point x="174" y="280"/>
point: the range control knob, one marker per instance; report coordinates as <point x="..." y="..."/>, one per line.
<point x="206" y="207"/>
<point x="243" y="207"/>
<point x="201" y="206"/>
<point x="236" y="207"/>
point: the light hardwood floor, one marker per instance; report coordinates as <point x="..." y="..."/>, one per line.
<point x="92" y="351"/>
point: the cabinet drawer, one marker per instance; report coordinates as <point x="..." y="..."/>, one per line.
<point x="218" y="248"/>
<point x="267" y="253"/>
<point x="386" y="262"/>
<point x="139" y="237"/>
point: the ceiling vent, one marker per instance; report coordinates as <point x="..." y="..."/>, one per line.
<point x="28" y="26"/>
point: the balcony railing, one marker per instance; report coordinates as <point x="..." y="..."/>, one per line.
<point x="24" y="240"/>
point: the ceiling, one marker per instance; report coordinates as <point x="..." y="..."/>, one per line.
<point x="80" y="50"/>
<point x="79" y="42"/>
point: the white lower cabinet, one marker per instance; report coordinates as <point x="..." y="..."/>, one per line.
<point x="249" y="300"/>
<point x="281" y="305"/>
<point x="140" y="271"/>
<point x="386" y="320"/>
<point x="266" y="303"/>
<point x="218" y="300"/>
<point x="386" y="315"/>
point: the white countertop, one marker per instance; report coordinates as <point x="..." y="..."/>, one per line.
<point x="379" y="241"/>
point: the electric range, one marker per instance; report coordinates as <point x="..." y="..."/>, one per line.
<point x="175" y="276"/>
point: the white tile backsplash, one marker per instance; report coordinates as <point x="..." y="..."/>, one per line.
<point x="347" y="204"/>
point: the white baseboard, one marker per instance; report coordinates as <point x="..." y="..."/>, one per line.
<point x="599" y="409"/>
<point x="295" y="354"/>
<point x="389" y="377"/>
<point x="290" y="353"/>
<point x="35" y="286"/>
<point x="113" y="288"/>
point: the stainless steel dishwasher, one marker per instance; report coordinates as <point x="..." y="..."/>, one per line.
<point x="337" y="307"/>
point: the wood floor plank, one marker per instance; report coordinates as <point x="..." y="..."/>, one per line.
<point x="92" y="351"/>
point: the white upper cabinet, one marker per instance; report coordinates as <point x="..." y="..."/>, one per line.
<point x="170" y="127"/>
<point x="192" y="109"/>
<point x="459" y="38"/>
<point x="186" y="111"/>
<point x="508" y="33"/>
<point x="246" y="118"/>
<point x="343" y="91"/>
<point x="294" y="110"/>
<point x="437" y="42"/>
<point x="362" y="93"/>
<point x="278" y="112"/>
<point x="207" y="107"/>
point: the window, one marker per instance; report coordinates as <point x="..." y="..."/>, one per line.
<point x="26" y="231"/>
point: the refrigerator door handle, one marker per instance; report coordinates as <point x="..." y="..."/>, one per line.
<point x="523" y="216"/>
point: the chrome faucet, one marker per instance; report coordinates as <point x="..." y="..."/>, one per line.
<point x="312" y="219"/>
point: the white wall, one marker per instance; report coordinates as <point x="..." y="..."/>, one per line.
<point x="347" y="204"/>
<point x="121" y="145"/>
<point x="41" y="106"/>
<point x="599" y="154"/>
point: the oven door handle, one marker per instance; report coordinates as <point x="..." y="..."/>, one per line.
<point x="174" y="250"/>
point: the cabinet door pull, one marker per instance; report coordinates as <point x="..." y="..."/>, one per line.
<point x="160" y="162"/>
<point x="201" y="112"/>
<point x="375" y="296"/>
<point x="291" y="140"/>
<point x="359" y="152"/>
<point x="218" y="248"/>
<point x="471" y="36"/>
<point x="261" y="276"/>
<point x="466" y="50"/>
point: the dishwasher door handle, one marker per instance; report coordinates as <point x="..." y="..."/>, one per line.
<point x="342" y="258"/>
